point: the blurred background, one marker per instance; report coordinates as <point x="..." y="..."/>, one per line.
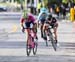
<point x="13" y="41"/>
<point x="62" y="8"/>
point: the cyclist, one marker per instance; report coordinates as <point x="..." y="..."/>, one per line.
<point x="42" y="18"/>
<point x="29" y="20"/>
<point x="52" y="21"/>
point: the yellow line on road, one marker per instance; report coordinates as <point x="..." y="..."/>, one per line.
<point x="14" y="28"/>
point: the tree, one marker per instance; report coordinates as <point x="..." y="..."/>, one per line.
<point x="55" y="1"/>
<point x="45" y="2"/>
<point x="65" y="1"/>
<point x="20" y="2"/>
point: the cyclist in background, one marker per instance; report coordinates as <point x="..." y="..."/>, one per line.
<point x="42" y="18"/>
<point x="52" y="21"/>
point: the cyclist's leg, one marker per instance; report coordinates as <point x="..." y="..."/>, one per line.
<point x="35" y="27"/>
<point x="41" y="29"/>
<point x="36" y="31"/>
<point x="28" y="31"/>
<point x="42" y="23"/>
<point x="46" y="30"/>
<point x="55" y="30"/>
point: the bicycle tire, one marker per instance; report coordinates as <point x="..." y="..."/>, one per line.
<point x="35" y="48"/>
<point x="52" y="41"/>
<point x="28" y="49"/>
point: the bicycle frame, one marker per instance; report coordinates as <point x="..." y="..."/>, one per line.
<point x="30" y="43"/>
<point x="30" y="39"/>
<point x="52" y="39"/>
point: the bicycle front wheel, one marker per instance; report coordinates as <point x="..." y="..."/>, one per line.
<point x="52" y="40"/>
<point x="28" y="49"/>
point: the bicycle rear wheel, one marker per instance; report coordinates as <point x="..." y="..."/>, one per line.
<point x="35" y="48"/>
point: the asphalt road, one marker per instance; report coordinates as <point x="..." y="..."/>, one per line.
<point x="13" y="42"/>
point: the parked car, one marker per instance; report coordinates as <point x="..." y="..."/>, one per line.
<point x="3" y="8"/>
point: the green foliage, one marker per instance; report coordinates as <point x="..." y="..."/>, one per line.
<point x="54" y="1"/>
<point x="65" y="1"/>
<point x="20" y="1"/>
<point x="74" y="1"/>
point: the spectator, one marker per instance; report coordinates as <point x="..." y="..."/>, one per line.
<point x="74" y="12"/>
<point x="63" y="11"/>
<point x="57" y="10"/>
<point x="39" y="7"/>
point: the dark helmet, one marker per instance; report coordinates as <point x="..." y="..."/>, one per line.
<point x="50" y="16"/>
<point x="53" y="18"/>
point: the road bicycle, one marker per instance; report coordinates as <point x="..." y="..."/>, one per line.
<point x="49" y="33"/>
<point x="31" y="43"/>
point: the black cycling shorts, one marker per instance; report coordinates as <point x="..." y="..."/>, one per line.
<point x="42" y="21"/>
<point x="51" y="24"/>
<point x="28" y="24"/>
